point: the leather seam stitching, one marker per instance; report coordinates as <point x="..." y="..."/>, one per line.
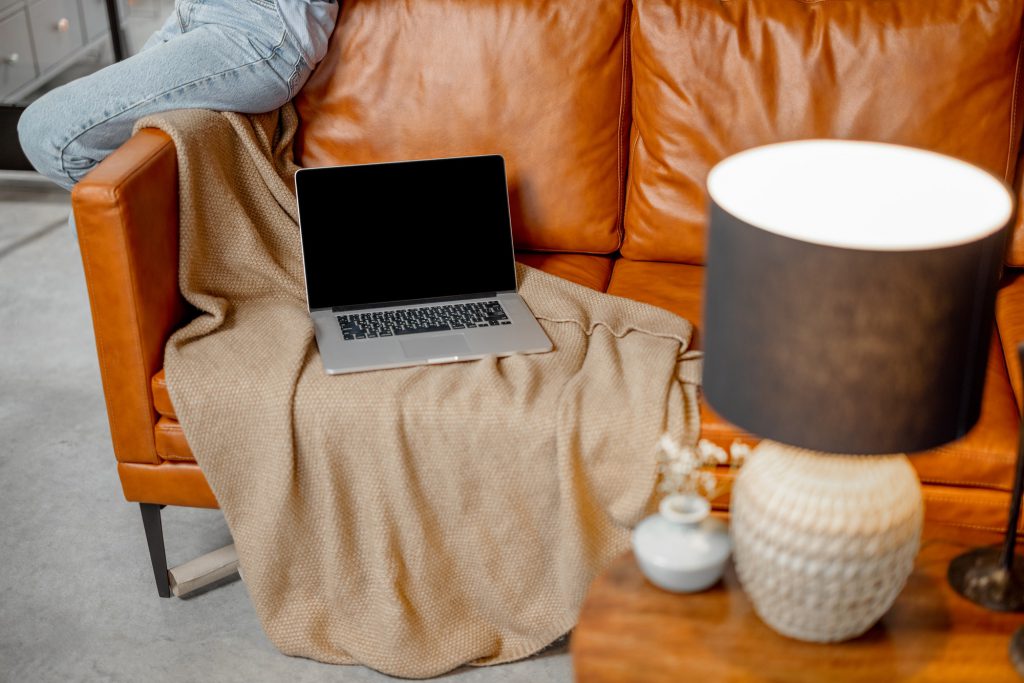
<point x="955" y="499"/>
<point x="956" y="482"/>
<point x="974" y="526"/>
<point x="975" y="457"/>
<point x="1006" y="364"/>
<point x="137" y="170"/>
<point x="620" y="143"/>
<point x="101" y="344"/>
<point x="632" y="158"/>
<point x="632" y="150"/>
<point x="1013" y="107"/>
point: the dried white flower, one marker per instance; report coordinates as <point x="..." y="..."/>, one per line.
<point x="739" y="452"/>
<point x="669" y="446"/>
<point x="709" y="483"/>
<point x="712" y="453"/>
<point x="691" y="470"/>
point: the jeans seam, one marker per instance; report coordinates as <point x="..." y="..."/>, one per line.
<point x="63" y="147"/>
<point x="293" y="80"/>
<point x="186" y="21"/>
<point x="276" y="49"/>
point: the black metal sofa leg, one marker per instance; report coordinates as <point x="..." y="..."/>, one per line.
<point x="155" y="539"/>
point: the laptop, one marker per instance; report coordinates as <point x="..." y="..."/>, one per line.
<point x="411" y="263"/>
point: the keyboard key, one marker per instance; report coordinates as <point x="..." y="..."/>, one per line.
<point x="418" y="330"/>
<point x="426" y="319"/>
<point x="506" y="322"/>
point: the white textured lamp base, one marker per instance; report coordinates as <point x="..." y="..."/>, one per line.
<point x="824" y="543"/>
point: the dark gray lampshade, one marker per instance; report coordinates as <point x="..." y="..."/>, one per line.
<point x="850" y="293"/>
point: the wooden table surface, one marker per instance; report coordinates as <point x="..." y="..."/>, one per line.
<point x="630" y="630"/>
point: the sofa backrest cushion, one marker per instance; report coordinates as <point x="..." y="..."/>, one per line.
<point x="714" y="77"/>
<point x="542" y="82"/>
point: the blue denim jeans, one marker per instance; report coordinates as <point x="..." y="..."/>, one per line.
<point x="225" y="55"/>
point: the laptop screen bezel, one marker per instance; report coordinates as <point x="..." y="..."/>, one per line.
<point x="404" y="302"/>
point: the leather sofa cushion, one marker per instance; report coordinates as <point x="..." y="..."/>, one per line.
<point x="676" y="287"/>
<point x="161" y="397"/>
<point x="985" y="457"/>
<point x="542" y="82"/>
<point x="583" y="269"/>
<point x="169" y="483"/>
<point x="711" y="78"/>
<point x="170" y="440"/>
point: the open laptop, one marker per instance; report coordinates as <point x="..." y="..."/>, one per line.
<point x="411" y="262"/>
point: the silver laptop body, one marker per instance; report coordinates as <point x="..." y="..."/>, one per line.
<point x="411" y="263"/>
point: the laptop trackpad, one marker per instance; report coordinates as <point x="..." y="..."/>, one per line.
<point x="436" y="347"/>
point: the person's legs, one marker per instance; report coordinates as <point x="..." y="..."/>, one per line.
<point x="170" y="29"/>
<point x="229" y="56"/>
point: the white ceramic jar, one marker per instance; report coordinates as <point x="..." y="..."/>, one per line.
<point x="682" y="549"/>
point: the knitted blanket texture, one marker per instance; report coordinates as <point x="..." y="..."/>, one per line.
<point x="416" y="519"/>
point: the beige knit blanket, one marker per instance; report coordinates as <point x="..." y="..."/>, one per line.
<point x="416" y="519"/>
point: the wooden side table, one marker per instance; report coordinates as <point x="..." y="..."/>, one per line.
<point x="630" y="630"/>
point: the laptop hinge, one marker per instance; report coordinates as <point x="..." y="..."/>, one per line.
<point x="415" y="302"/>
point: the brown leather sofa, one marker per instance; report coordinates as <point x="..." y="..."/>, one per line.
<point x="609" y="114"/>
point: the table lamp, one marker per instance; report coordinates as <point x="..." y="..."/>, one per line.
<point x="848" y="310"/>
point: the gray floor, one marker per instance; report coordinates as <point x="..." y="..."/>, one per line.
<point x="77" y="599"/>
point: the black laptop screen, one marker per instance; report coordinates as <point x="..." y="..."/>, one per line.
<point x="405" y="231"/>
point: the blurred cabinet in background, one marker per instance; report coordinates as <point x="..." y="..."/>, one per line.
<point x="17" y="63"/>
<point x="41" y="39"/>
<point x="44" y="43"/>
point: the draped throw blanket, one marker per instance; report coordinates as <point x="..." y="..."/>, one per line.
<point x="415" y="519"/>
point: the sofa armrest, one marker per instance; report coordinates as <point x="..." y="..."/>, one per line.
<point x="126" y="214"/>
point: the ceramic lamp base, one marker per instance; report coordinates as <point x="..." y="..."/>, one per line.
<point x="824" y="543"/>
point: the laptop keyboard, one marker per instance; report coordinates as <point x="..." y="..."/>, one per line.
<point x="419" y="320"/>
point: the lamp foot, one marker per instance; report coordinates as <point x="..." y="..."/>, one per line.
<point x="979" y="576"/>
<point x="1017" y="650"/>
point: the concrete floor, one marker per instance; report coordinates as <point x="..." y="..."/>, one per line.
<point x="77" y="598"/>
